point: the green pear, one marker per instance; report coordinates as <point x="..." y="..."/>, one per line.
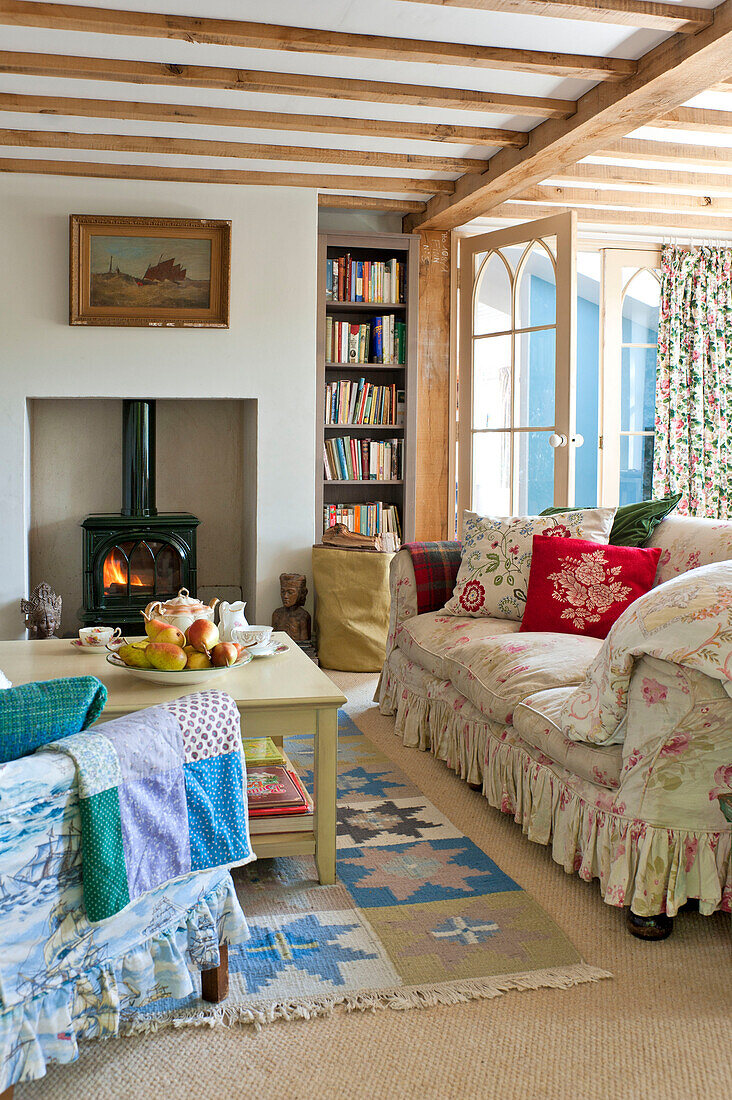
<point x="159" y="631"/>
<point x="133" y="656"/>
<point x="197" y="660"/>
<point x="166" y="657"/>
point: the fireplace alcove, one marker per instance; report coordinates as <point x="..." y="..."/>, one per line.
<point x="206" y="465"/>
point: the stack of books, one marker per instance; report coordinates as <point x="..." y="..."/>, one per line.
<point x="278" y="802"/>
<point x="349" y="459"/>
<point x="373" y="518"/>
<point x="361" y="402"/>
<point x="351" y="280"/>
<point x="382" y="340"/>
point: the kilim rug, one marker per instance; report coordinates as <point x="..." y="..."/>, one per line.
<point x="420" y="915"/>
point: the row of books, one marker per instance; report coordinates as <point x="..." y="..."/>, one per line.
<point x="349" y="459"/>
<point x="373" y="518"/>
<point x="382" y="340"/>
<point x="277" y="799"/>
<point x="361" y="402"/>
<point x="350" y="280"/>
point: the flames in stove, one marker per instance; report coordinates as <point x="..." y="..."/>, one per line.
<point x="115" y="572"/>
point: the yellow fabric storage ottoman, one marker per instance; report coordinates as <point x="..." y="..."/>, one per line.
<point x="352" y="608"/>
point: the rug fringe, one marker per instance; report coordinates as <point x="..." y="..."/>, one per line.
<point x="399" y="999"/>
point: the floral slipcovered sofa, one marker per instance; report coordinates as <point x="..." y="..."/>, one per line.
<point x="613" y="752"/>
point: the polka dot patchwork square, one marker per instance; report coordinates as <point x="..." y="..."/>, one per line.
<point x="210" y="724"/>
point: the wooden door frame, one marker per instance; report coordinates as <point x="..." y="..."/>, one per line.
<point x="611" y="340"/>
<point x="564" y="228"/>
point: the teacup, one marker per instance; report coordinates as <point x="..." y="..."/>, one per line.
<point x="253" y="637"/>
<point x="96" y="637"/>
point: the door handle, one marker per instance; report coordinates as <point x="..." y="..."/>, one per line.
<point x="556" y="440"/>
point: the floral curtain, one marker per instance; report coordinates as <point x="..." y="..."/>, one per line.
<point x="693" y="444"/>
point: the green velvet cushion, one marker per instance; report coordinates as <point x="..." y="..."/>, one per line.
<point x="634" y="523"/>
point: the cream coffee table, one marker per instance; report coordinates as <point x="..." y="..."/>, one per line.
<point x="276" y="696"/>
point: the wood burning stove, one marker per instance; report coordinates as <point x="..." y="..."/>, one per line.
<point x="137" y="555"/>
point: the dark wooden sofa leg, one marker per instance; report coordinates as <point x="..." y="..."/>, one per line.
<point x="659" y="927"/>
<point x="214" y="983"/>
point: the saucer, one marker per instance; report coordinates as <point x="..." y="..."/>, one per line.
<point x="111" y="648"/>
<point x="269" y="650"/>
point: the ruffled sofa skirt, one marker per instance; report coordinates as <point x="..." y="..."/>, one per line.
<point x="651" y="868"/>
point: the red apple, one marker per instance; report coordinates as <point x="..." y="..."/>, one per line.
<point x="224" y="654"/>
<point x="203" y="635"/>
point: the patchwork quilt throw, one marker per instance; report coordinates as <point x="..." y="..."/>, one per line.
<point x="686" y="621"/>
<point x="161" y="794"/>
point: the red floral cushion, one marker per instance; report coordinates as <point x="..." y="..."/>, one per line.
<point x="578" y="587"/>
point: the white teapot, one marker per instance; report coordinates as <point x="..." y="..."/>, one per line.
<point x="231" y="615"/>
<point x="180" y="611"/>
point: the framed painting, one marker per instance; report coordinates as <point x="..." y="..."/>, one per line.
<point x="149" y="272"/>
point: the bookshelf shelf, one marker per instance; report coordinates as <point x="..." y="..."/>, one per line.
<point x="366" y="427"/>
<point x="351" y="493"/>
<point x="364" y="307"/>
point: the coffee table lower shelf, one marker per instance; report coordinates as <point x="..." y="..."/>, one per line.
<point x="268" y="845"/>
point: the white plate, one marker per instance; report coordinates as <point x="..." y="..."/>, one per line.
<point x="173" y="679"/>
<point x="270" y="650"/>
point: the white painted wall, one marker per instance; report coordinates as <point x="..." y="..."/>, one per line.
<point x="267" y="354"/>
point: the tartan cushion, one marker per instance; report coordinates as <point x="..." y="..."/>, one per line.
<point x="436" y="567"/>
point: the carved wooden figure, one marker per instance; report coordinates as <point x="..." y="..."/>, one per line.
<point x="292" y="616"/>
<point x="42" y="612"/>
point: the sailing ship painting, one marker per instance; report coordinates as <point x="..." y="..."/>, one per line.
<point x="150" y="272"/>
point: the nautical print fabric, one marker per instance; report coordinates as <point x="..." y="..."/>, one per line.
<point x="160" y="795"/>
<point x="62" y="978"/>
<point x="31" y="715"/>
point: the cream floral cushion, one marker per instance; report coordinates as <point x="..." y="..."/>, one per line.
<point x="495" y="674"/>
<point x="431" y="638"/>
<point x="494" y="571"/>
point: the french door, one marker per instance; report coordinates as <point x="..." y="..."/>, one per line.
<point x="516" y="362"/>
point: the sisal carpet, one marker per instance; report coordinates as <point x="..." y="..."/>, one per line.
<point x="420" y="915"/>
<point x="661" y="1028"/>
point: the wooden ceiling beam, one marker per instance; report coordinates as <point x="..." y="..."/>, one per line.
<point x="261" y="120"/>
<point x="695" y="118"/>
<point x="130" y="143"/>
<point x="251" y="80"/>
<point x="268" y="36"/>
<point x="667" y="152"/>
<point x="710" y="183"/>
<point x="677" y="69"/>
<point x="363" y="202"/>
<point x="218" y="175"/>
<point x="628" y="13"/>
<point x="577" y="197"/>
<point x="517" y="211"/>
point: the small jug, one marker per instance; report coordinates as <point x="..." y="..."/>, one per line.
<point x="230" y="616"/>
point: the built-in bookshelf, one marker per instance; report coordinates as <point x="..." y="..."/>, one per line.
<point x="367" y="369"/>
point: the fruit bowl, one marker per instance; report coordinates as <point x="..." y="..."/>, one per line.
<point x="183" y="677"/>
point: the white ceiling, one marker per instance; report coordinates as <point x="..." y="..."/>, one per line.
<point x="392" y="18"/>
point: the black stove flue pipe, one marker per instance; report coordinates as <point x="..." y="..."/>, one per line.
<point x="138" y="458"/>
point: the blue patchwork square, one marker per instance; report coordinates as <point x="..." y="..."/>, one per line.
<point x="132" y="734"/>
<point x="217" y="814"/>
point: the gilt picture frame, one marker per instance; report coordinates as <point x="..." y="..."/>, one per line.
<point x="149" y="272"/>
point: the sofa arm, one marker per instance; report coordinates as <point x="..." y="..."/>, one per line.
<point x="421" y="579"/>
